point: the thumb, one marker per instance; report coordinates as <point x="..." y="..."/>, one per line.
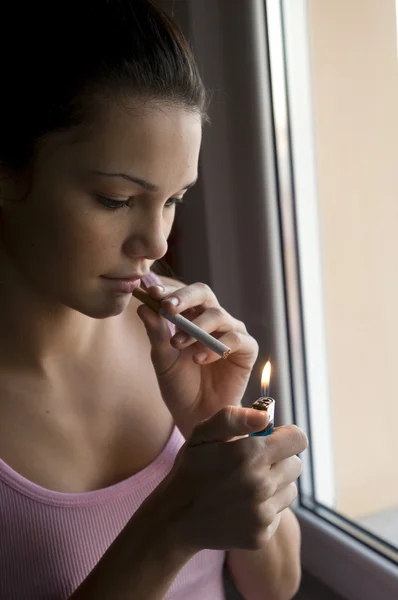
<point x="158" y="330"/>
<point x="227" y="423"/>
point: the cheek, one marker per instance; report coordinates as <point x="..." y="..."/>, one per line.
<point x="56" y="238"/>
<point x="168" y="221"/>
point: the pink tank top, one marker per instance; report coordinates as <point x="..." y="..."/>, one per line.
<point x="50" y="541"/>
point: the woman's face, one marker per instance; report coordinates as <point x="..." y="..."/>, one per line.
<point x="74" y="230"/>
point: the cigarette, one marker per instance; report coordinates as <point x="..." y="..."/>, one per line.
<point x="267" y="404"/>
<point x="184" y="324"/>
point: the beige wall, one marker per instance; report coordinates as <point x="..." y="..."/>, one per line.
<point x="355" y="92"/>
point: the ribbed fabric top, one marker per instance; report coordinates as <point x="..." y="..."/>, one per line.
<point x="50" y="541"/>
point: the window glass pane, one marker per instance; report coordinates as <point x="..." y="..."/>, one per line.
<point x="342" y="91"/>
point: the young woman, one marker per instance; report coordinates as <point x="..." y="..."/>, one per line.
<point x="126" y="471"/>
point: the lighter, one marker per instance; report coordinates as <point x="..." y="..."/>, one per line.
<point x="265" y="402"/>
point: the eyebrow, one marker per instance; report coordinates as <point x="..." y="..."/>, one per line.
<point x="146" y="185"/>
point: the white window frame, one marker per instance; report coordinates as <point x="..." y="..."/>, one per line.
<point x="288" y="49"/>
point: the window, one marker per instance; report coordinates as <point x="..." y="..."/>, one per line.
<point x="299" y="212"/>
<point x="334" y="76"/>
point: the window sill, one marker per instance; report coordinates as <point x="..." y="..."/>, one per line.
<point x="343" y="563"/>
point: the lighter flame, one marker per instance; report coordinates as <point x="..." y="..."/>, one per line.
<point x="266" y="376"/>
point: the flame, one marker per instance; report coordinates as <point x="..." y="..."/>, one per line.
<point x="266" y="377"/>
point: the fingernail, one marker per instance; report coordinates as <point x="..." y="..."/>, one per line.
<point x="181" y="337"/>
<point x="201" y="356"/>
<point x="160" y="287"/>
<point x="173" y="300"/>
<point x="253" y="418"/>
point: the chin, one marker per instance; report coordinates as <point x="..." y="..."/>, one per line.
<point x="108" y="307"/>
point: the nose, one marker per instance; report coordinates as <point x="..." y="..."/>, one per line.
<point x="148" y="240"/>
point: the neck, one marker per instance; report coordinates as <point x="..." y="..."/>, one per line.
<point x="36" y="331"/>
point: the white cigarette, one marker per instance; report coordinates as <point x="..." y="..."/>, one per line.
<point x="196" y="332"/>
<point x="184" y="324"/>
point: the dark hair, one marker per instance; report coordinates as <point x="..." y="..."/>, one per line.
<point x="63" y="54"/>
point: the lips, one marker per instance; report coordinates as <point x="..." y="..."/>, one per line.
<point x="123" y="285"/>
<point x="133" y="277"/>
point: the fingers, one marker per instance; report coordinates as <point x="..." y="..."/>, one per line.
<point x="265" y="475"/>
<point x="266" y="517"/>
<point x="240" y="344"/>
<point x="265" y="482"/>
<point x="285" y="442"/>
<point x="193" y="300"/>
<point x="198" y="303"/>
<point x="176" y="300"/>
<point x="156" y="327"/>
<point x="283" y="498"/>
<point x="162" y="354"/>
<point x="272" y="507"/>
<point x="214" y="319"/>
<point x="227" y="423"/>
<point x="286" y="471"/>
<point x="224" y="331"/>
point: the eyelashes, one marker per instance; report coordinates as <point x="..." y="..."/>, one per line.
<point x="118" y="204"/>
<point x="174" y="202"/>
<point x="112" y="204"/>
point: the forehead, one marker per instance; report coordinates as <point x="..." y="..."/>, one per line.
<point x="159" y="143"/>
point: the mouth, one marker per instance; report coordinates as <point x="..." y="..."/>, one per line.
<point x="132" y="278"/>
<point x="124" y="285"/>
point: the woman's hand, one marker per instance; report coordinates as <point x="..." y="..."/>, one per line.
<point x="230" y="494"/>
<point x="219" y="494"/>
<point x="196" y="382"/>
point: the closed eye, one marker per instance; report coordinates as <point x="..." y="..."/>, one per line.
<point x="174" y="202"/>
<point x="112" y="204"/>
<point x="117" y="204"/>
